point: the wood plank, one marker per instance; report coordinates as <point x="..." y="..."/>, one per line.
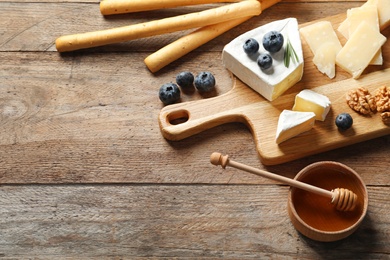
<point x="212" y="221"/>
<point x="171" y="207"/>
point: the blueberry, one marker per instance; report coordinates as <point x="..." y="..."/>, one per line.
<point x="251" y="46"/>
<point x="185" y="79"/>
<point x="265" y="61"/>
<point x="204" y="81"/>
<point x="344" y="121"/>
<point x="169" y="93"/>
<point x="273" y="41"/>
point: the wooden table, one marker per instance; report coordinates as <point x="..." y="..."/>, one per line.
<point x="85" y="172"/>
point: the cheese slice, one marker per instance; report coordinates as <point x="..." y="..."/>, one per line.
<point x="325" y="58"/>
<point x="368" y="13"/>
<point x="309" y="101"/>
<point x="343" y="28"/>
<point x="384" y="13"/>
<point x="360" y="49"/>
<point x="383" y="7"/>
<point x="273" y="82"/>
<point x="293" y="123"/>
<point x="317" y="35"/>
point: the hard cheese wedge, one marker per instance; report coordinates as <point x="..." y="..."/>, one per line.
<point x="383" y="7"/>
<point x="310" y="101"/>
<point x="368" y="13"/>
<point x="317" y="35"/>
<point x="293" y="123"/>
<point x="360" y="49"/>
<point x="275" y="81"/>
<point x="325" y="58"/>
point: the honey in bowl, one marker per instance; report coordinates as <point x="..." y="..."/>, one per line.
<point x="314" y="215"/>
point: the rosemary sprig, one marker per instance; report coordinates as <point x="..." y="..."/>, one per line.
<point x="289" y="54"/>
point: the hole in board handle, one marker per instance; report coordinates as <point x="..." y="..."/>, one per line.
<point x="178" y="117"/>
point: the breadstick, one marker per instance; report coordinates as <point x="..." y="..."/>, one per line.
<point x="108" y="7"/>
<point x="188" y="43"/>
<point x="167" y="25"/>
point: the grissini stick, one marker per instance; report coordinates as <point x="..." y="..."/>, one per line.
<point x="342" y="199"/>
<point x="190" y="42"/>
<point x="157" y="27"/>
<point x="109" y="7"/>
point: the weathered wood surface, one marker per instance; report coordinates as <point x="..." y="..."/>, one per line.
<point x="122" y="221"/>
<point x="85" y="172"/>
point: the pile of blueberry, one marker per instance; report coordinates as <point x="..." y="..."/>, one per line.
<point x="169" y="93"/>
<point x="272" y="42"/>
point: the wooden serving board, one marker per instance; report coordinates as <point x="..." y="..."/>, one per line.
<point x="242" y="104"/>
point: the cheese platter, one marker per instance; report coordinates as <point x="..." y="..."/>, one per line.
<point x="243" y="104"/>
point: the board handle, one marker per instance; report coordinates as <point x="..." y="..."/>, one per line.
<point x="179" y="121"/>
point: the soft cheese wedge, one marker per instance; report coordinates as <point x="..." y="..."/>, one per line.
<point x="360" y="49"/>
<point x="293" y="123"/>
<point x="324" y="44"/>
<point x="310" y="101"/>
<point x="273" y="82"/>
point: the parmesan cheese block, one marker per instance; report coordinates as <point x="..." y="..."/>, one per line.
<point x="369" y="14"/>
<point x="383" y="7"/>
<point x="343" y="28"/>
<point x="325" y="58"/>
<point x="273" y="82"/>
<point x="310" y="101"/>
<point x="319" y="33"/>
<point x="324" y="44"/>
<point x="293" y="123"/>
<point x="360" y="49"/>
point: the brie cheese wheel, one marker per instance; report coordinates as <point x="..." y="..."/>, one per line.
<point x="293" y="123"/>
<point x="275" y="81"/>
<point x="310" y="101"/>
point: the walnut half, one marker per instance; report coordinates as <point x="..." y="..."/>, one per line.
<point x="382" y="99"/>
<point x="386" y="117"/>
<point x="361" y="101"/>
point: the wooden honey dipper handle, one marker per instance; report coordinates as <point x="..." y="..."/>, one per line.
<point x="342" y="199"/>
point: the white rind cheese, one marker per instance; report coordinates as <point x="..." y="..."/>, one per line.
<point x="275" y="81"/>
<point x="310" y="101"/>
<point x="293" y="123"/>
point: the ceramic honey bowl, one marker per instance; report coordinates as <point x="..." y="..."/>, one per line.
<point x="313" y="215"/>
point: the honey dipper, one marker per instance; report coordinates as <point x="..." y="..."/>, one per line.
<point x="342" y="199"/>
